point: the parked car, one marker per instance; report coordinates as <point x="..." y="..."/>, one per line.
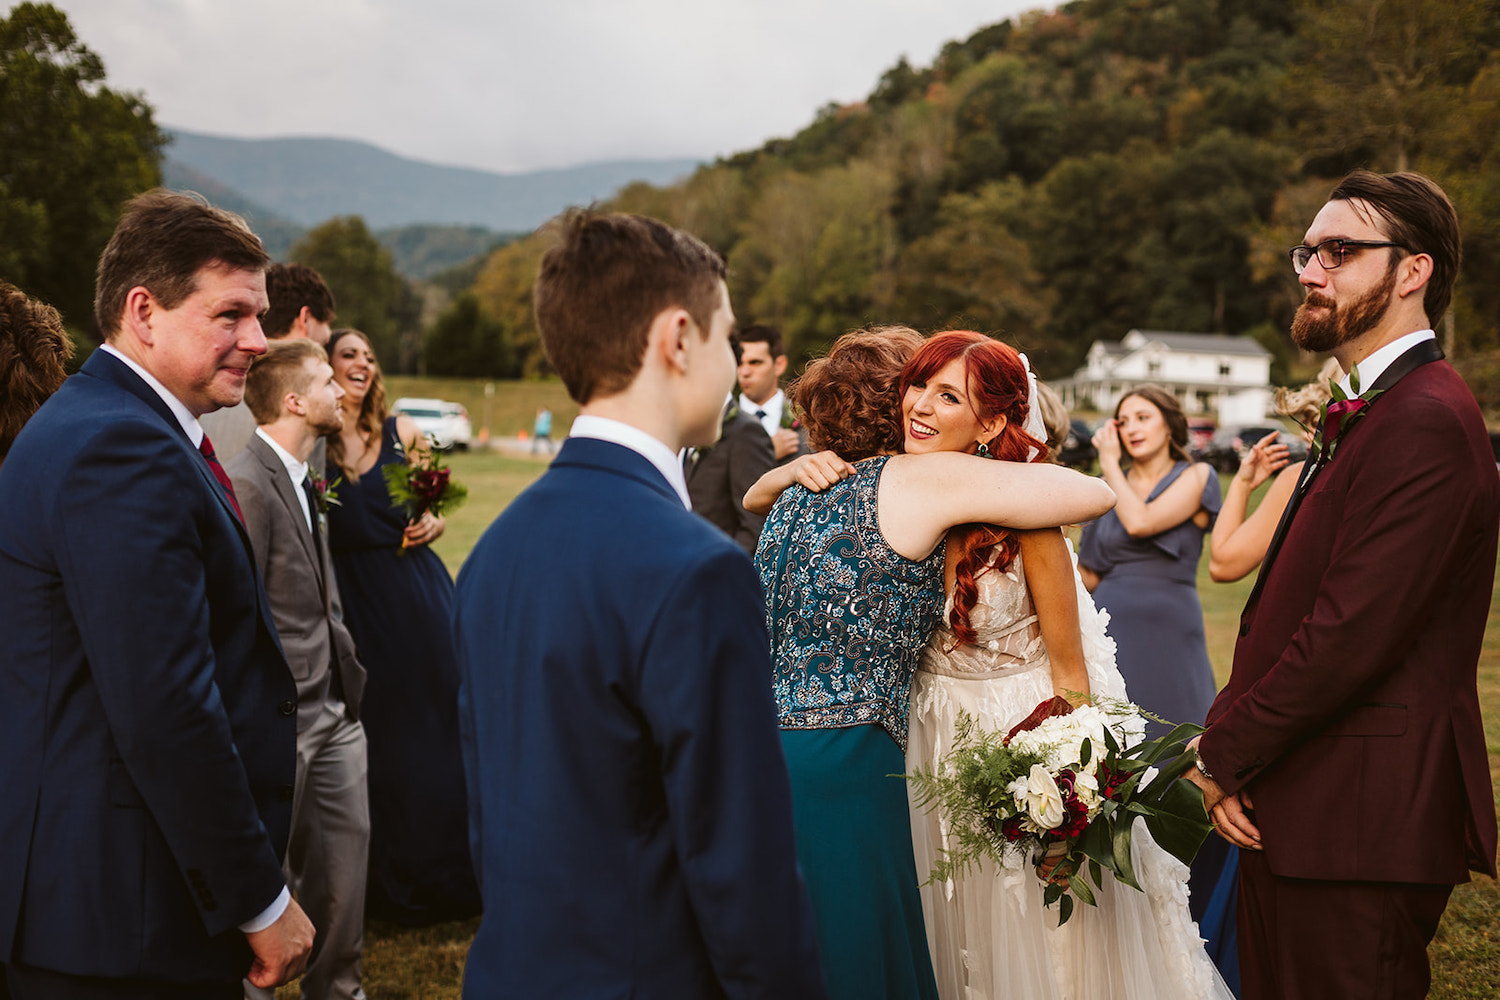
<point x="1077" y="450"/>
<point x="1200" y="433"/>
<point x="1231" y="444"/>
<point x="445" y="424"/>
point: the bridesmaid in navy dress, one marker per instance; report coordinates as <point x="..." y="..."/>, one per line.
<point x="398" y="605"/>
<point x="1141" y="562"/>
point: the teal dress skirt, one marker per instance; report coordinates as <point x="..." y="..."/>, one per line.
<point x="848" y="619"/>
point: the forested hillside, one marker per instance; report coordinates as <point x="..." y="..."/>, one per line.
<point x="1068" y="175"/>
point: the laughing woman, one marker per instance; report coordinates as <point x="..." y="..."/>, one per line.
<point x="397" y="604"/>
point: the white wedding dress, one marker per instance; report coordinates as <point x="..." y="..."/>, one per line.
<point x="990" y="936"/>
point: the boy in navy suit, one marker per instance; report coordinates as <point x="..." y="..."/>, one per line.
<point x="630" y="814"/>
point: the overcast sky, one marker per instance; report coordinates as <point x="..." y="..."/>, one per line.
<point x="515" y="85"/>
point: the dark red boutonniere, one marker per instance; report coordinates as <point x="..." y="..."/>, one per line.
<point x="1339" y="414"/>
<point x="325" y="493"/>
<point x="789" y="420"/>
<point x="424" y="485"/>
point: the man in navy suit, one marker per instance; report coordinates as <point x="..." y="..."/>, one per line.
<point x="630" y="814"/>
<point x="148" y="718"/>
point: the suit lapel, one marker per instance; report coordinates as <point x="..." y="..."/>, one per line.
<point x="108" y="368"/>
<point x="281" y="482"/>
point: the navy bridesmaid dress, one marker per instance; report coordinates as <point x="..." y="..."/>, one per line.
<point x="398" y="606"/>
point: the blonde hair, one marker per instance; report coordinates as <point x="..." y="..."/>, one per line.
<point x="1305" y="403"/>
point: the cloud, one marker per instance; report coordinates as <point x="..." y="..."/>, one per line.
<point x="515" y="85"/>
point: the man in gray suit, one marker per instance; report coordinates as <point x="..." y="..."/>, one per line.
<point x="301" y="309"/>
<point x="295" y="401"/>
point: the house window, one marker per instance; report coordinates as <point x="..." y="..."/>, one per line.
<point x="1153" y="368"/>
<point x="1223" y="370"/>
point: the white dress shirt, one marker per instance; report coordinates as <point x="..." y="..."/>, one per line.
<point x="772" y="408"/>
<point x="638" y="441"/>
<point x="182" y="413"/>
<point x="1374" y="366"/>
<point x="294" y="468"/>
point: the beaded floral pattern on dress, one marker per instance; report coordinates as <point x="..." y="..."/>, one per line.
<point x="848" y="616"/>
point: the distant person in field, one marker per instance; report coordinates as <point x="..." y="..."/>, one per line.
<point x="762" y="363"/>
<point x="34" y="348"/>
<point x="398" y="603"/>
<point x="541" y="430"/>
<point x="292" y="392"/>
<point x="301" y="307"/>
<point x="629" y="801"/>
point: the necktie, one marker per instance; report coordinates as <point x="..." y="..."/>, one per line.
<point x="312" y="504"/>
<point x="223" y="477"/>
<point x="760" y="414"/>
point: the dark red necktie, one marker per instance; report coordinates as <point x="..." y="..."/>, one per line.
<point x="223" y="477"/>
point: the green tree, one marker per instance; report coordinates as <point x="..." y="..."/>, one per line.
<point x="72" y="151"/>
<point x="466" y="340"/>
<point x="371" y="296"/>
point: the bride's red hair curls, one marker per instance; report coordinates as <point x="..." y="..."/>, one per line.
<point x="998" y="386"/>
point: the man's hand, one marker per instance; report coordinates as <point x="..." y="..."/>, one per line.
<point x="785" y="441"/>
<point x="281" y="950"/>
<point x="1229" y="813"/>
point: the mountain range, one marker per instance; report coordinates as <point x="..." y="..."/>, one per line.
<point x="284" y="186"/>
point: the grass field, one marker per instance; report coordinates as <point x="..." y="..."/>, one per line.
<point x="427" y="964"/>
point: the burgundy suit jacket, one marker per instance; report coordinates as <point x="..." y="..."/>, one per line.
<point x="1351" y="717"/>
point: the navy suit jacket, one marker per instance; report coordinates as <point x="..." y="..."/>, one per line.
<point x="1351" y="716"/>
<point x="147" y="715"/>
<point x="630" y="812"/>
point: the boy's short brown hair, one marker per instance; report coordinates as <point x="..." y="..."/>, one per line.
<point x="600" y="287"/>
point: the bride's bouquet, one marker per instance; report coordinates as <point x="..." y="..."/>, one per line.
<point x="1065" y="784"/>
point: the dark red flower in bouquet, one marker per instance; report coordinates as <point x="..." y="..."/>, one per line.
<point x="1013" y="829"/>
<point x="1054" y="706"/>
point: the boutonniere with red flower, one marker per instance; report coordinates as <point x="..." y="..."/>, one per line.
<point x="425" y="485"/>
<point x="789" y="420"/>
<point x="1339" y="414"/>
<point x="325" y="493"/>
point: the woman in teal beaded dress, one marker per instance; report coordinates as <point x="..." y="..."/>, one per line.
<point x="853" y="578"/>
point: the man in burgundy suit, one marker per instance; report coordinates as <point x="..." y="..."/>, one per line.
<point x="1346" y="755"/>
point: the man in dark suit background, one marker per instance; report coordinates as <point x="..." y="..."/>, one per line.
<point x="147" y="714"/>
<point x="295" y="400"/>
<point x="301" y="309"/>
<point x="1346" y="756"/>
<point x="761" y="364"/>
<point x="630" y="811"/>
<point x="719" y="475"/>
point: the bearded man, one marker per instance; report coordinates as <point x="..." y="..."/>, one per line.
<point x="1346" y="757"/>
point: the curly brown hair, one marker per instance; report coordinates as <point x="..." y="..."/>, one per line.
<point x="851" y="400"/>
<point x="34" y="347"/>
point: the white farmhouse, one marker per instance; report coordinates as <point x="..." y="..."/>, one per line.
<point x="1211" y="374"/>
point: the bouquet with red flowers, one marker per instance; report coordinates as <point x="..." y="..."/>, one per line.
<point x="1064" y="785"/>
<point x="424" y="485"/>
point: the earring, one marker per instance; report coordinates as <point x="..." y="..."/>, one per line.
<point x="984" y="451"/>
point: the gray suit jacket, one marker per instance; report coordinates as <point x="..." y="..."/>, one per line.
<point x="233" y="427"/>
<point x="299" y="580"/>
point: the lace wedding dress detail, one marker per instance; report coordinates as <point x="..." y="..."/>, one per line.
<point x="990" y="935"/>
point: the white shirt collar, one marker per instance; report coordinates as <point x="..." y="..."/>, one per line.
<point x="297" y="470"/>
<point x="638" y="441"/>
<point x="182" y="413"/>
<point x="772" y="408"/>
<point x="1374" y="366"/>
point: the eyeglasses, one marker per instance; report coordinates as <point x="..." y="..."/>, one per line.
<point x="1331" y="253"/>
